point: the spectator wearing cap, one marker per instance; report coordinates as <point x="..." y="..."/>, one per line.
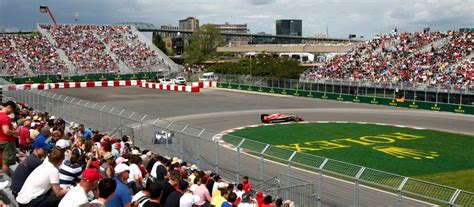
<point x="202" y="192"/>
<point x="70" y="171"/>
<point x="122" y="197"/>
<point x="219" y="198"/>
<point x="174" y="197"/>
<point x="156" y="193"/>
<point x="7" y="136"/>
<point x="170" y="185"/>
<point x="259" y="198"/>
<point x="106" y="188"/>
<point x="106" y="169"/>
<point x="26" y="166"/>
<point x="78" y="195"/>
<point x="45" y="177"/>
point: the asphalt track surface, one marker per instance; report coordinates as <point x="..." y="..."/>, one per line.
<point x="218" y="110"/>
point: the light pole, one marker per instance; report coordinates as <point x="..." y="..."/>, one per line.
<point x="45" y="9"/>
<point x="250" y="56"/>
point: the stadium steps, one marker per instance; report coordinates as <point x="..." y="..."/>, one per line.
<point x="30" y="73"/>
<point x="122" y="66"/>
<point x="436" y="44"/>
<point x="173" y="67"/>
<point x="71" y="68"/>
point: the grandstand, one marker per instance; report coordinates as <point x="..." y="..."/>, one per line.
<point x="81" y="49"/>
<point x="429" y="58"/>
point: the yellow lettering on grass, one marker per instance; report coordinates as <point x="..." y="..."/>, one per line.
<point x="353" y="141"/>
<point x="297" y="147"/>
<point x="403" y="136"/>
<point x="377" y="139"/>
<point x="326" y="144"/>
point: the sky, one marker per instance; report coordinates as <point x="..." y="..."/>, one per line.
<point x="340" y="17"/>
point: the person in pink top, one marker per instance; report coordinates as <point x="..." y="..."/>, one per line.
<point x="201" y="191"/>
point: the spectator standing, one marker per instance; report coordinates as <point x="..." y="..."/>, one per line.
<point x="46" y="176"/>
<point x="7" y="136"/>
<point x="106" y="189"/>
<point x="122" y="196"/>
<point x="246" y="184"/>
<point x="24" y="169"/>
<point x="86" y="133"/>
<point x="78" y="195"/>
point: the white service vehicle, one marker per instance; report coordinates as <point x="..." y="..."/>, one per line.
<point x="180" y="81"/>
<point x="166" y="81"/>
<point x="163" y="137"/>
<point x="208" y="77"/>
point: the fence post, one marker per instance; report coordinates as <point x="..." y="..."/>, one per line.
<point x="238" y="160"/>
<point x="262" y="161"/>
<point x="356" y="186"/>
<point x="454" y="197"/>
<point x="320" y="186"/>
<point x="217" y="156"/>
<point x="141" y="130"/>
<point x="289" y="170"/>
<point x="199" y="148"/>
<point x="181" y="150"/>
<point x="400" y="189"/>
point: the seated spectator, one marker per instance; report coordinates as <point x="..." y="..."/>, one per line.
<point x="143" y="195"/>
<point x="174" y="197"/>
<point x="106" y="169"/>
<point x="267" y="201"/>
<point x="135" y="177"/>
<point x="78" y="195"/>
<point x="122" y="195"/>
<point x="189" y="200"/>
<point x="231" y="200"/>
<point x="170" y="185"/>
<point x="106" y="188"/>
<point x="239" y="192"/>
<point x="156" y="191"/>
<point x="219" y="198"/>
<point x="70" y="171"/>
<point x="45" y="177"/>
<point x="26" y="166"/>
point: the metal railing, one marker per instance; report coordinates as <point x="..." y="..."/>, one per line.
<point x="307" y="179"/>
<point x="415" y="92"/>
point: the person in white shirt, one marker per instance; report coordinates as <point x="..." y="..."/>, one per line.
<point x="135" y="177"/>
<point x="41" y="180"/>
<point x="106" y="191"/>
<point x="78" y="195"/>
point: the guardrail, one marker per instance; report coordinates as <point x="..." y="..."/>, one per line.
<point x="332" y="182"/>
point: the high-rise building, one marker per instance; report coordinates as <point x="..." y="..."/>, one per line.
<point x="289" y="27"/>
<point x="190" y="23"/>
<point x="232" y="28"/>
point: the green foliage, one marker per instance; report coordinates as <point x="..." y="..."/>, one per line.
<point x="158" y="42"/>
<point x="265" y="66"/>
<point x="204" y="43"/>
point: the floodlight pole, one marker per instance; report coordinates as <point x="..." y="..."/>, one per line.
<point x="45" y="9"/>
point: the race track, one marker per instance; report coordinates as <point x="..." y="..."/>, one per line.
<point x="218" y="110"/>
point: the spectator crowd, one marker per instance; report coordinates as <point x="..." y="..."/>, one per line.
<point x="68" y="164"/>
<point x="429" y="58"/>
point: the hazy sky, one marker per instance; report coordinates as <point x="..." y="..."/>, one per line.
<point x="361" y="17"/>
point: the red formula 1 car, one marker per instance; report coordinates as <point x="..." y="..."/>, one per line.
<point x="277" y="118"/>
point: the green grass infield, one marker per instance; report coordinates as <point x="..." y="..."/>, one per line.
<point x="440" y="157"/>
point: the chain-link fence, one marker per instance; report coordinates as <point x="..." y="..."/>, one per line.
<point x="306" y="179"/>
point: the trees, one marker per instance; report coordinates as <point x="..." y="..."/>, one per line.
<point x="204" y="43"/>
<point x="158" y="42"/>
<point x="265" y="66"/>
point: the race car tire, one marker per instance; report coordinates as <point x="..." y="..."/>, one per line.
<point x="262" y="118"/>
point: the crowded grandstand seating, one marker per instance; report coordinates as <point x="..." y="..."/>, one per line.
<point x="405" y="58"/>
<point x="41" y="56"/>
<point x="10" y="59"/>
<point x="82" y="47"/>
<point x="82" y="161"/>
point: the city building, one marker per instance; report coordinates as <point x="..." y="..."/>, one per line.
<point x="289" y="27"/>
<point x="190" y="23"/>
<point x="169" y="27"/>
<point x="232" y="28"/>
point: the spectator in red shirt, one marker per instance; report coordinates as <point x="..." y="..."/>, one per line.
<point x="7" y="136"/>
<point x="247" y="184"/>
<point x="24" y="135"/>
